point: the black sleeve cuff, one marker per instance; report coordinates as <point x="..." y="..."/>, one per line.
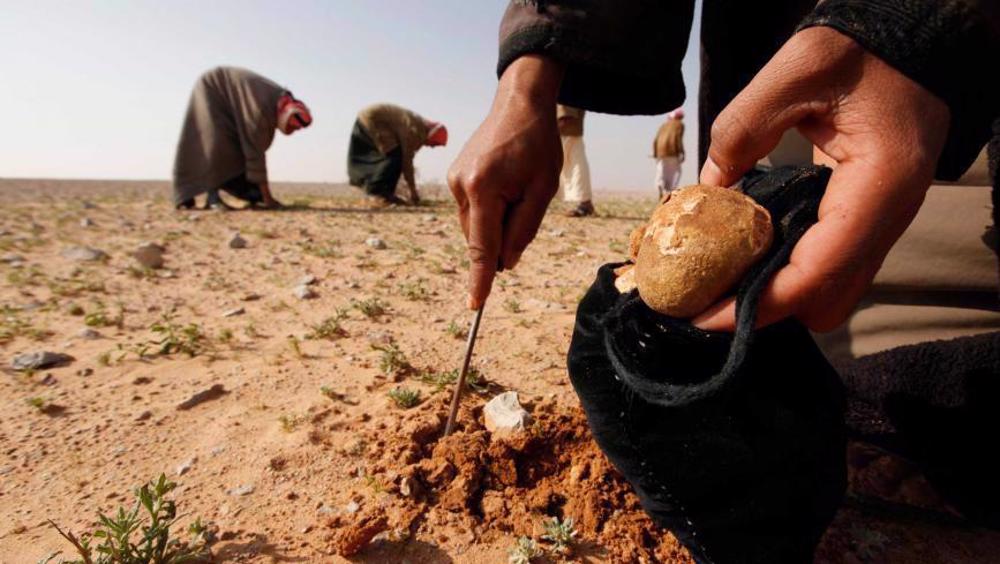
<point x="936" y="43"/>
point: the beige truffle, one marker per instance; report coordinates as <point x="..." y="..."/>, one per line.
<point x="696" y="247"/>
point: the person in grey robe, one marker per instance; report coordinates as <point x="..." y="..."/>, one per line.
<point x="229" y="125"/>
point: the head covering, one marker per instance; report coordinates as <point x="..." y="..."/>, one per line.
<point x="437" y="134"/>
<point x="676" y="114"/>
<point x="292" y="111"/>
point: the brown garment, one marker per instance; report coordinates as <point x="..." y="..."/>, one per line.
<point x="392" y="126"/>
<point x="230" y="124"/>
<point x="570" y="120"/>
<point x="669" y="140"/>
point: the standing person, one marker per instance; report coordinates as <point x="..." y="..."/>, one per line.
<point x="384" y="141"/>
<point x="230" y="124"/>
<point x="574" y="180"/>
<point x="668" y="150"/>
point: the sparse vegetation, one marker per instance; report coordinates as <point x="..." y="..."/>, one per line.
<point x="99" y="317"/>
<point x="371" y="308"/>
<point x="392" y="361"/>
<point x="289" y="423"/>
<point x="405" y="397"/>
<point x="119" y="543"/>
<point x="457" y="331"/>
<point x="225" y="336"/>
<point x="560" y="533"/>
<point x="172" y="338"/>
<point x="524" y="550"/>
<point x="415" y="291"/>
<point x="331" y="249"/>
<point x="441" y="380"/>
<point x="296" y="346"/>
<point x="512" y="305"/>
<point x="329" y="328"/>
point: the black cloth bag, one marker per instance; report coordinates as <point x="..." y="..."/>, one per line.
<point x="368" y="168"/>
<point x="734" y="442"/>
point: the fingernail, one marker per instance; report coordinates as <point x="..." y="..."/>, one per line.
<point x="711" y="173"/>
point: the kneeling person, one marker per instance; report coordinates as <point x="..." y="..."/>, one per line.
<point x="230" y="124"/>
<point x="384" y="141"/>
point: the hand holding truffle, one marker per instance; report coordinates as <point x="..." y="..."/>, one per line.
<point x="885" y="132"/>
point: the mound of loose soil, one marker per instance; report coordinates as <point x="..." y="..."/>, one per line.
<point x="502" y="485"/>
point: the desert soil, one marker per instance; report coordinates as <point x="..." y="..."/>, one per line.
<point x="297" y="452"/>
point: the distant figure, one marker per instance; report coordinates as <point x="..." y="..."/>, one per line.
<point x="574" y="180"/>
<point x="229" y="125"/>
<point x="384" y="141"/>
<point x="668" y="150"/>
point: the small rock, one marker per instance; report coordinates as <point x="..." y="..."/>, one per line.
<point x="84" y="254"/>
<point x="375" y="243"/>
<point x="36" y="360"/>
<point x="237" y="242"/>
<point x="11" y="258"/>
<point x="85" y="372"/>
<point x="326" y="510"/>
<point x="251" y="297"/>
<point x="86" y="222"/>
<point x="304" y="292"/>
<point x="245" y="489"/>
<point x="557" y="232"/>
<point x="218" y="450"/>
<point x="88" y="334"/>
<point x="48" y="380"/>
<point x="144" y="415"/>
<point x="234" y="312"/>
<point x="308" y="280"/>
<point x="504" y="413"/>
<point x="216" y="391"/>
<point x="6" y="470"/>
<point x="183" y="467"/>
<point x="305" y="529"/>
<point x="352" y="507"/>
<point x="429" y="218"/>
<point x="149" y="255"/>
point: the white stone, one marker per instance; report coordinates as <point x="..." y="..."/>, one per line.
<point x="84" y="254"/>
<point x="234" y="312"/>
<point x="308" y="280"/>
<point x="504" y="414"/>
<point x="304" y="292"/>
<point x="375" y="243"/>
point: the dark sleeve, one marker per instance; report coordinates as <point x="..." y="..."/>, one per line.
<point x="622" y="56"/>
<point x="947" y="46"/>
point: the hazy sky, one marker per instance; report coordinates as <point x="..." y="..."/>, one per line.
<point x="98" y="89"/>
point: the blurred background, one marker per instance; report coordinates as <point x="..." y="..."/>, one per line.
<point x="99" y="89"/>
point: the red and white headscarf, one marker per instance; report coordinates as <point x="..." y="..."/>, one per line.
<point x="437" y="134"/>
<point x="292" y="111"/>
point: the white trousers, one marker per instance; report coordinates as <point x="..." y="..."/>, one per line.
<point x="574" y="180"/>
<point x="668" y="173"/>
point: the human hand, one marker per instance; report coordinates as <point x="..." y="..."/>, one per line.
<point x="885" y="132"/>
<point x="508" y="171"/>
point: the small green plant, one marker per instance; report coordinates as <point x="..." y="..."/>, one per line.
<point x="371" y="308"/>
<point x="251" y="331"/>
<point x="289" y="423"/>
<point x="225" y="335"/>
<point x="329" y="250"/>
<point x="329" y="328"/>
<point x="561" y="534"/>
<point x="512" y="305"/>
<point x="405" y="397"/>
<point x="100" y="317"/>
<point x="457" y="331"/>
<point x="176" y="338"/>
<point x="104" y="359"/>
<point x="296" y="346"/>
<point x="119" y="542"/>
<point x="441" y="380"/>
<point x="415" y="291"/>
<point x="392" y="361"/>
<point x="37" y="402"/>
<point x="525" y="549"/>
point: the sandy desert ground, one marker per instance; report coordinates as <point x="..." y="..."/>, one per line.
<point x="296" y="446"/>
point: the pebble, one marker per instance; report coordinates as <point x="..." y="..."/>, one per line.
<point x="216" y="391"/>
<point x="149" y="255"/>
<point x="144" y="415"/>
<point x="245" y="489"/>
<point x="251" y="297"/>
<point x="352" y="507"/>
<point x="304" y="292"/>
<point x="85" y="372"/>
<point x="504" y="413"/>
<point x="308" y="280"/>
<point x="375" y="243"/>
<point x="84" y="254"/>
<point x="42" y="359"/>
<point x="234" y="312"/>
<point x="88" y="334"/>
<point x="11" y="257"/>
<point x="185" y="466"/>
<point x="86" y="222"/>
<point x="237" y="241"/>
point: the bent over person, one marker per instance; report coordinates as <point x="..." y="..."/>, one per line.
<point x="384" y="141"/>
<point x="230" y="124"/>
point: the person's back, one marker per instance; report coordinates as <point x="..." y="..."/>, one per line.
<point x="668" y="150"/>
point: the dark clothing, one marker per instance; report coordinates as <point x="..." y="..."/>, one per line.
<point x="368" y="168"/>
<point x="736" y="443"/>
<point x="243" y="189"/>
<point x="623" y="56"/>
